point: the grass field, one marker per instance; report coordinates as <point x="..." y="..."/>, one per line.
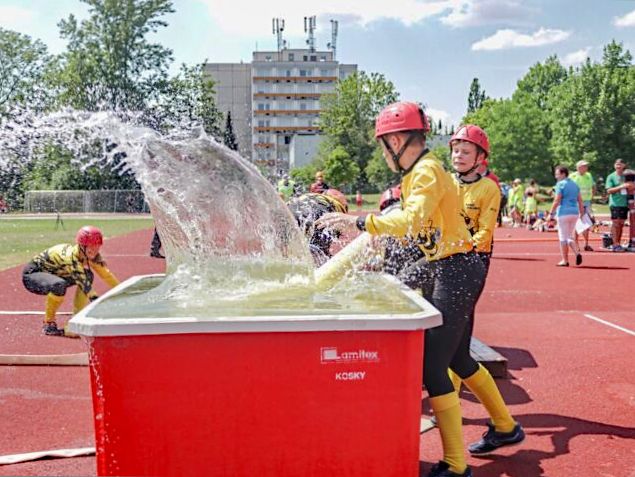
<point x="22" y="238"/>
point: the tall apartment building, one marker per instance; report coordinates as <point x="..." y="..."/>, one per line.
<point x="275" y="102"/>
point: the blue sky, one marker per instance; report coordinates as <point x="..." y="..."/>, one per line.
<point x="430" y="49"/>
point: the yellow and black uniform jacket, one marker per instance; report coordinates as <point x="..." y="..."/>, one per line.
<point x="64" y="261"/>
<point x="481" y="201"/>
<point x="430" y="212"/>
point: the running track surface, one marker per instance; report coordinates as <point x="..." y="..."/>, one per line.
<point x="571" y="377"/>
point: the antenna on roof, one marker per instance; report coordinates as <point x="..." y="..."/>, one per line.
<point x="278" y="27"/>
<point x="309" y="27"/>
<point x="332" y="45"/>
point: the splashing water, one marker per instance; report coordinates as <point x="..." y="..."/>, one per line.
<point x="223" y="227"/>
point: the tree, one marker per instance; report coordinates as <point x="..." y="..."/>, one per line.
<point x="516" y="135"/>
<point x="348" y="116"/>
<point x="475" y="98"/>
<point x="186" y="100"/>
<point x="110" y="64"/>
<point x="23" y="67"/>
<point x="593" y="111"/>
<point x="340" y="168"/>
<point x="229" y="138"/>
<point x="378" y="173"/>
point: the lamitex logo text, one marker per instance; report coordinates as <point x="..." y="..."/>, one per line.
<point x="333" y="355"/>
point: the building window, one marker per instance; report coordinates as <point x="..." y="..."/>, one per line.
<point x="261" y="123"/>
<point x="313" y="58"/>
<point x="261" y="107"/>
<point x="268" y="58"/>
<point x="303" y="106"/>
<point x="323" y="58"/>
<point x="324" y="73"/>
<point x="305" y="58"/>
<point x="302" y="72"/>
<point x="288" y="73"/>
<point x="290" y="56"/>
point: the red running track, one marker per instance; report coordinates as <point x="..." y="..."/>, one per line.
<point x="571" y="382"/>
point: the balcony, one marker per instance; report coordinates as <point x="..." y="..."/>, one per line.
<point x="296" y="79"/>
<point x="264" y="145"/>
<point x="288" y="95"/>
<point x="285" y="112"/>
<point x="285" y="128"/>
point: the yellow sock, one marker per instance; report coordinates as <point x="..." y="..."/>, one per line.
<point x="456" y="380"/>
<point x="447" y="410"/>
<point x="484" y="388"/>
<point x="53" y="302"/>
<point x="80" y="301"/>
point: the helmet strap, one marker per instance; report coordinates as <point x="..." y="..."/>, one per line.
<point x="396" y="156"/>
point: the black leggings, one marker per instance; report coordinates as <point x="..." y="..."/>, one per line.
<point x="43" y="283"/>
<point x="452" y="285"/>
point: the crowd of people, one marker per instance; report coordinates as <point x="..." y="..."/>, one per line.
<point x="571" y="213"/>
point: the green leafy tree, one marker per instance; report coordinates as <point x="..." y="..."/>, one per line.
<point x="379" y="176"/>
<point x="229" y="138"/>
<point x="593" y="111"/>
<point x="54" y="168"/>
<point x="110" y="63"/>
<point x="340" y="168"/>
<point x="515" y="130"/>
<point x="348" y="117"/>
<point x="186" y="100"/>
<point x="475" y="98"/>
<point x="24" y="64"/>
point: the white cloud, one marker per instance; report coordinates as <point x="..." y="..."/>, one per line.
<point x="468" y="13"/>
<point x="576" y="57"/>
<point x="437" y="114"/>
<point x="249" y="18"/>
<point x="505" y="39"/>
<point x="15" y="18"/>
<point x="627" y="20"/>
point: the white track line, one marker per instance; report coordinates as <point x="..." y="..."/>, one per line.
<point x="32" y="313"/>
<point x="608" y="323"/>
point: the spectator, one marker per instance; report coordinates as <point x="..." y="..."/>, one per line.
<point x="617" y="189"/>
<point x="503" y="212"/>
<point x="629" y="178"/>
<point x="583" y="178"/>
<point x="531" y="209"/>
<point x="532" y="187"/>
<point x="319" y="186"/>
<point x="286" y="187"/>
<point x="567" y="207"/>
<point x="3" y="206"/>
<point x="516" y="202"/>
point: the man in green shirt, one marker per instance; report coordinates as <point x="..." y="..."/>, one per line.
<point x="618" y="191"/>
<point x="583" y="178"/>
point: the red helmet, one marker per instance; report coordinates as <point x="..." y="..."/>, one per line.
<point x="401" y="116"/>
<point x="339" y="197"/>
<point x="474" y="134"/>
<point x="89" y="235"/>
<point x="389" y="197"/>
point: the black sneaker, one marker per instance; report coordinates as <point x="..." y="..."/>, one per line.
<point x="578" y="259"/>
<point x="51" y="329"/>
<point x="156" y="254"/>
<point x="492" y="440"/>
<point x="442" y="469"/>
